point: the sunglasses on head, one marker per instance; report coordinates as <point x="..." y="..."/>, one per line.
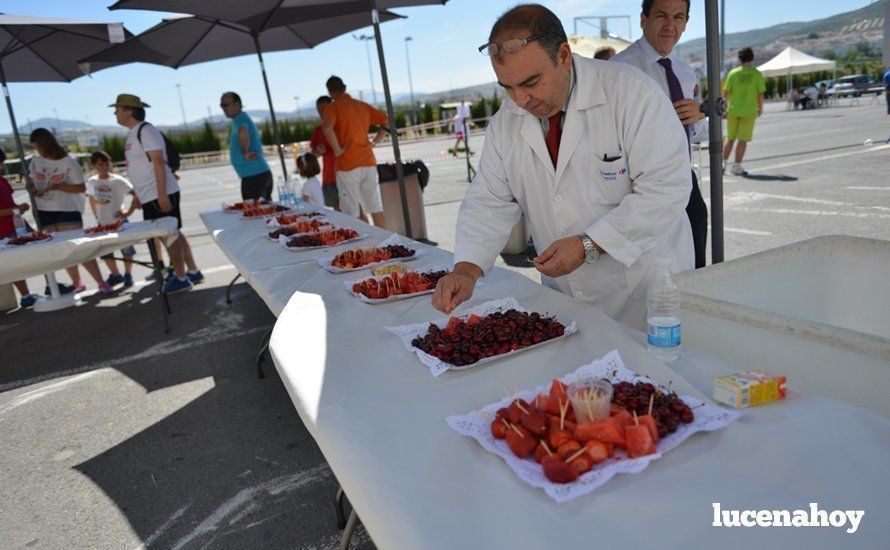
<point x="509" y="46"/>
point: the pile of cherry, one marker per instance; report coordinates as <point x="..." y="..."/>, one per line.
<point x="546" y="428"/>
<point x="466" y="341"/>
<point x="302" y="226"/>
<point x="360" y="257"/>
<point x="323" y="238"/>
<point x="28" y="238"/>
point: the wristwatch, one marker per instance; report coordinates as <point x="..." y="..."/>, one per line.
<point x="591" y="254"/>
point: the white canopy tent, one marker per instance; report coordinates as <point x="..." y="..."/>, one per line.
<point x="790" y="62"/>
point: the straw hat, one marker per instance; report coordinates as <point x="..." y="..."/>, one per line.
<point x="129" y="100"/>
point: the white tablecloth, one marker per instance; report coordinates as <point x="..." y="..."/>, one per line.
<point x="379" y="418"/>
<point x="68" y="248"/>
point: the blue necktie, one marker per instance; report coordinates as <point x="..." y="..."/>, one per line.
<point x="676" y="91"/>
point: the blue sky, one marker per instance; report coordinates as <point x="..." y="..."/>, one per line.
<point x="443" y="55"/>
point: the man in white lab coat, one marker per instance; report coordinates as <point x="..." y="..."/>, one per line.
<point x="663" y="23"/>
<point x="592" y="153"/>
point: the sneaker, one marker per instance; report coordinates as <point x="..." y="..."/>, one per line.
<point x="737" y="170"/>
<point x="115" y="279"/>
<point x="196" y="277"/>
<point x="63" y="289"/>
<point x="28" y="301"/>
<point x="105" y="289"/>
<point x="80" y="287"/>
<point x="177" y="285"/>
<point x="128" y="280"/>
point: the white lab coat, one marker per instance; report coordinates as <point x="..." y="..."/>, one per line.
<point x="633" y="207"/>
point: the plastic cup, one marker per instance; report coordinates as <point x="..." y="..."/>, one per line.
<point x="591" y="398"/>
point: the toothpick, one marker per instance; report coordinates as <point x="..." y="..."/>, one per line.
<point x="563" y="409"/>
<point x="518" y="404"/>
<point x="515" y="429"/>
<point x="636" y="421"/>
<point x="651" y="402"/>
<point x="587" y="402"/>
<point x="580" y="452"/>
<point x="546" y="448"/>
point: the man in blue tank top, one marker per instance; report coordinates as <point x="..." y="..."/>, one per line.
<point x="246" y="150"/>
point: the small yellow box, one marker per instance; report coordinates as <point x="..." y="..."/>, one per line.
<point x="746" y="389"/>
<point x="387" y="269"/>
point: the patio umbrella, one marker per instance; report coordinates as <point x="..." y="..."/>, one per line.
<point x="259" y="15"/>
<point x="189" y="39"/>
<point x="41" y="49"/>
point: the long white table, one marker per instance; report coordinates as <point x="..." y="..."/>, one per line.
<point x="379" y="418"/>
<point x="68" y="248"/>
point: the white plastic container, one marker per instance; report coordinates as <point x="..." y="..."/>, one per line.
<point x="816" y="311"/>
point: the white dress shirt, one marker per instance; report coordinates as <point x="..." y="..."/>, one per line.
<point x="622" y="177"/>
<point x="643" y="56"/>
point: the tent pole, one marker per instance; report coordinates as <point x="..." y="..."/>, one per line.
<point x="259" y="54"/>
<point x="393" y="130"/>
<point x="716" y="129"/>
<point x="19" y="147"/>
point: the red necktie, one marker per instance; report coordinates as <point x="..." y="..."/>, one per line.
<point x="554" y="135"/>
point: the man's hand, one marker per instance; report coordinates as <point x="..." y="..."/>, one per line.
<point x="561" y="258"/>
<point x="250" y="155"/>
<point x="759" y="110"/>
<point x="338" y="151"/>
<point x="24" y="207"/>
<point x="456" y="288"/>
<point x="164" y="203"/>
<point x="688" y="111"/>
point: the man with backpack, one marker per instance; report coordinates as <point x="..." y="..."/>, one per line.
<point x="150" y="170"/>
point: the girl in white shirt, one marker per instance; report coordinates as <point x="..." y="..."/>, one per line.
<point x="309" y="169"/>
<point x="59" y="188"/>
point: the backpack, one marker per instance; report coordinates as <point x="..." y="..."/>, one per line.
<point x="173" y="159"/>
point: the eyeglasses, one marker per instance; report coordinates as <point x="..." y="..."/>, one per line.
<point x="509" y="46"/>
<point x="224" y="105"/>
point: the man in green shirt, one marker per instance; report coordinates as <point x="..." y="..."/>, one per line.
<point x="743" y="89"/>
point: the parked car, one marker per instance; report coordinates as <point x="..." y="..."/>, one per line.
<point x="856" y="85"/>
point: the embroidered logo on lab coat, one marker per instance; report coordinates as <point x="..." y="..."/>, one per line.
<point x="612" y="176"/>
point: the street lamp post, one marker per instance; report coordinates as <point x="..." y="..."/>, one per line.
<point x="365" y="38"/>
<point x="181" y="107"/>
<point x="410" y="82"/>
<point x="58" y="123"/>
<point x="297" y="100"/>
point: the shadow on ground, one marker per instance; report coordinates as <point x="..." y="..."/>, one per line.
<point x="235" y="467"/>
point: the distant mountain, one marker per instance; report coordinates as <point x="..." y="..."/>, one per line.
<point x="839" y="32"/>
<point x="60" y="125"/>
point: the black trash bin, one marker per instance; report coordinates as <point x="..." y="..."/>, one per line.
<point x="416" y="178"/>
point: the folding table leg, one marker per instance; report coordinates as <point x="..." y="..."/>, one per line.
<point x="261" y="356"/>
<point x="229" y="289"/>
<point x="338" y="509"/>
<point x="348" y="532"/>
<point x="159" y="278"/>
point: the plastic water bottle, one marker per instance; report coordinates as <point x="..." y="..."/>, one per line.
<point x="663" y="334"/>
<point x="282" y="190"/>
<point x="20" y="226"/>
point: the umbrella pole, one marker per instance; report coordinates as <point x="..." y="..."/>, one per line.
<point x="19" y="147"/>
<point x="259" y="54"/>
<point x="393" y="131"/>
<point x="716" y="130"/>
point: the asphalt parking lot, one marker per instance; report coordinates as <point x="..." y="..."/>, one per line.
<point x="117" y="435"/>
